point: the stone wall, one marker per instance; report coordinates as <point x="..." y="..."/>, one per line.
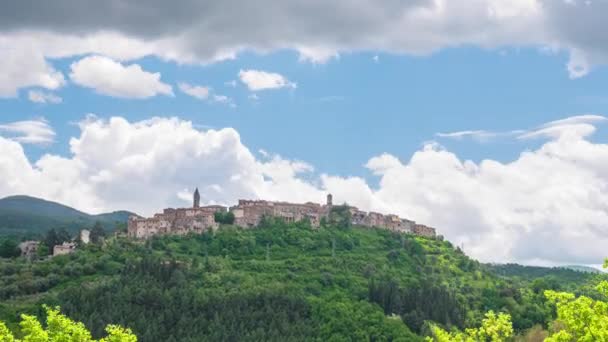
<point x="422" y="230"/>
<point x="64" y="248"/>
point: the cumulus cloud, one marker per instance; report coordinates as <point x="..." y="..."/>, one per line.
<point x="548" y="206"/>
<point x="108" y="77"/>
<point x="25" y="67"/>
<point x="151" y="159"/>
<point x="260" y="80"/>
<point x="36" y="132"/>
<point x="43" y="97"/>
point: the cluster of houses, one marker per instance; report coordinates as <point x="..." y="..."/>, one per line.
<point x="29" y="249"/>
<point x="246" y="213"/>
<point x="249" y="213"/>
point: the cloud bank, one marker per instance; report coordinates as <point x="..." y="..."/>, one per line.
<point x="549" y="205"/>
<point x="209" y="31"/>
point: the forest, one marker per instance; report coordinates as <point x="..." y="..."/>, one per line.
<point x="289" y="282"/>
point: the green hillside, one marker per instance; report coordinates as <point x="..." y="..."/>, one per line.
<point x="24" y="215"/>
<point x="278" y="282"/>
<point x="566" y="275"/>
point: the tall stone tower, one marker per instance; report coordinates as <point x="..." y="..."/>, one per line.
<point x="197" y="199"/>
<point x="329" y="200"/>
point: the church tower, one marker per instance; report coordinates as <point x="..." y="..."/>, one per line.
<point x="197" y="199"/>
<point x="329" y="200"/>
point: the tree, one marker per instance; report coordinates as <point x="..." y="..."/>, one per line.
<point x="494" y="328"/>
<point x="43" y="250"/>
<point x="61" y="328"/>
<point x="97" y="233"/>
<point x="56" y="237"/>
<point x="224" y="217"/>
<point x="9" y="249"/>
<point x="51" y="239"/>
<point x="580" y="318"/>
<point x="229" y="218"/>
<point x="340" y="216"/>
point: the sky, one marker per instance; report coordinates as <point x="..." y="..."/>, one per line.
<point x="483" y="118"/>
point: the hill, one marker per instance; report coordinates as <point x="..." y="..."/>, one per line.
<point x="582" y="268"/>
<point x="565" y="273"/>
<point x="277" y="282"/>
<point x="25" y="215"/>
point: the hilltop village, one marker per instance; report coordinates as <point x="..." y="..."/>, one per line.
<point x="249" y="213"/>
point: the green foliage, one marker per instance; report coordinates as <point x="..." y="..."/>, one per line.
<point x="551" y="276"/>
<point x="579" y="318"/>
<point x="97" y="233"/>
<point x="9" y="248"/>
<point x="418" y="303"/>
<point x="279" y="282"/>
<point x="60" y="328"/>
<point x="224" y="217"/>
<point x="55" y="237"/>
<point x="494" y="328"/>
<point x="340" y="216"/>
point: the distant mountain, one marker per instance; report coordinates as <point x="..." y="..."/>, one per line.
<point x="565" y="275"/>
<point x="27" y="215"/>
<point x="581" y="268"/>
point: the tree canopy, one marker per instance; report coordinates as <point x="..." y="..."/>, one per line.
<point x="60" y="328"/>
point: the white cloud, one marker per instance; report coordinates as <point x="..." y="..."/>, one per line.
<point x="199" y="92"/>
<point x="205" y="93"/>
<point x="480" y="135"/>
<point x="577" y="119"/>
<point x="111" y="78"/>
<point x="43" y="97"/>
<point x="580" y="125"/>
<point x="152" y="159"/>
<point x="548" y="205"/>
<point x="26" y="67"/>
<point x="224" y="99"/>
<point x="193" y="32"/>
<point x="37" y="132"/>
<point x="260" y="80"/>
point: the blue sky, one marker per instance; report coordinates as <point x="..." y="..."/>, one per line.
<point x="483" y="118"/>
<point x="352" y="107"/>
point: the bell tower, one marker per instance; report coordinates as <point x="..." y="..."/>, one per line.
<point x="329" y="200"/>
<point x="197" y="199"/>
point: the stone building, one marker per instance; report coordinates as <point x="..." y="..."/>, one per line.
<point x="249" y="213"/>
<point x="29" y="249"/>
<point x="179" y="221"/>
<point x="85" y="236"/>
<point x="64" y="248"/>
<point x="422" y="230"/>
